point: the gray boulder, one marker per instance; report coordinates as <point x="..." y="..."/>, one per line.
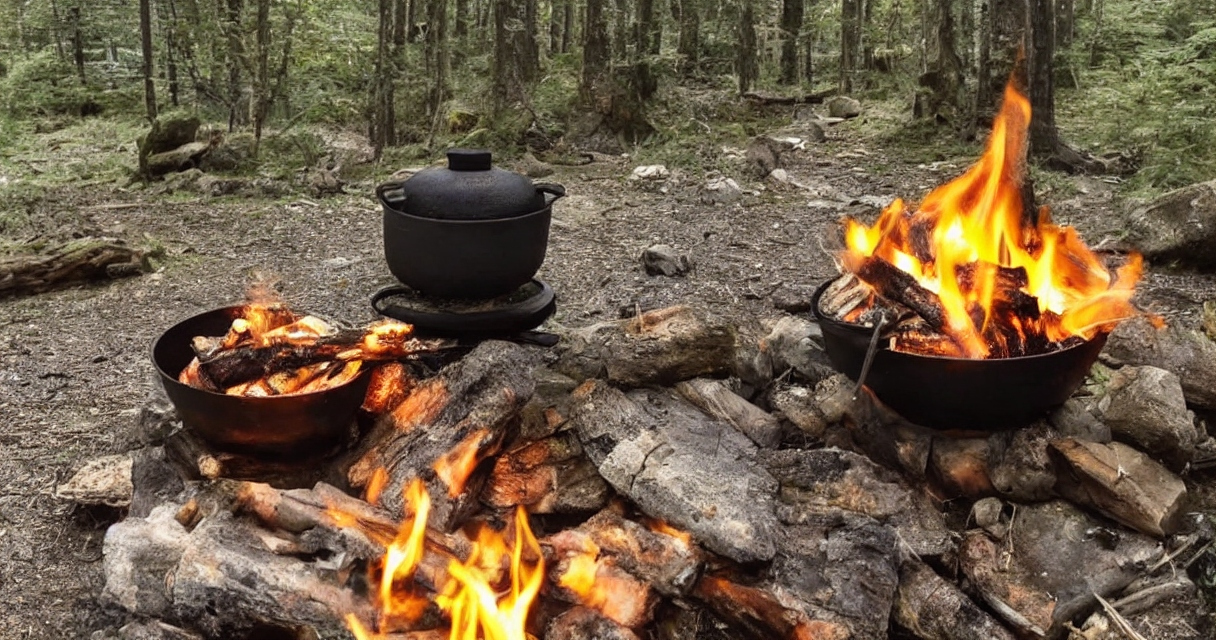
<point x="1179" y="226"/>
<point x="843" y="107"/>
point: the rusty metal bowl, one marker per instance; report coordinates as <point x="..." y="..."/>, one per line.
<point x="959" y="393"/>
<point x="273" y="427"/>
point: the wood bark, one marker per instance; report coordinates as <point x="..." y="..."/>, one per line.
<point x="688" y="45"/>
<point x="516" y="63"/>
<point x="438" y="63"/>
<point x="747" y="67"/>
<point x="597" y="50"/>
<point x="383" y="122"/>
<point x="791" y="26"/>
<point x="84" y="260"/>
<point x="850" y="40"/>
<point x="567" y="25"/>
<point x="933" y="608"/>
<point x="77" y="42"/>
<point x="547" y="476"/>
<point x="714" y="398"/>
<point x="145" y="43"/>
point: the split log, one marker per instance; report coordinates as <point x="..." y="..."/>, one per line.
<point x="895" y="284"/>
<point x="1121" y="483"/>
<point x="83" y="260"/>
<point x="932" y="608"/>
<point x="659" y="347"/>
<point x="581" y="623"/>
<point x="615" y="593"/>
<point x="759" y="615"/>
<point x="845" y="295"/>
<point x="712" y="397"/>
<point x="664" y="559"/>
<point x="546" y="476"/>
<point x="456" y="421"/>
<point x="676" y="463"/>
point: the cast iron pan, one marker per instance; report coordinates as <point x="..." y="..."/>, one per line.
<point x="959" y="393"/>
<point x="274" y="427"/>
<point x="509" y="317"/>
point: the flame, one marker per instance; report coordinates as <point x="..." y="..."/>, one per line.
<point x="970" y="232"/>
<point x="479" y="600"/>
<point x="375" y="486"/>
<point x="455" y="466"/>
<point x="599" y="585"/>
<point x="660" y="526"/>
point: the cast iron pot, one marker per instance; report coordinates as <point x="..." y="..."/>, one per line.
<point x="269" y="427"/>
<point x="959" y="393"/>
<point x="467" y="231"/>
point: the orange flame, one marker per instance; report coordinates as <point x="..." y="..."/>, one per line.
<point x="478" y="600"/>
<point x="455" y="466"/>
<point x="598" y="584"/>
<point x="972" y="227"/>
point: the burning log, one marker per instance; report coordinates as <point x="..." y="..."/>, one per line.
<point x="720" y="402"/>
<point x="446" y="428"/>
<point x="546" y="476"/>
<point x="194" y="459"/>
<point x="676" y="463"/>
<point x="893" y="283"/>
<point x="581" y="623"/>
<point x="935" y="609"/>
<point x="758" y="613"/>
<point x="1122" y="483"/>
<point x="597" y="583"/>
<point x="665" y="559"/>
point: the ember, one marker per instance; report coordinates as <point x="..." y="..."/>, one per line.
<point x="986" y="278"/>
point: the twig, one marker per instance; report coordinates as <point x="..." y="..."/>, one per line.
<point x="1119" y="620"/>
<point x="1146" y="592"/>
<point x="1170" y="557"/>
<point x="1198" y="553"/>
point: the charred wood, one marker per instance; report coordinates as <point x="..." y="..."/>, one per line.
<point x="546" y="476"/>
<point x="714" y="398"/>
<point x="759" y="614"/>
<point x="581" y="623"/>
<point x="894" y="284"/>
<point x="932" y="608"/>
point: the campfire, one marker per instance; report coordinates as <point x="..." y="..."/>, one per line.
<point x="974" y="271"/>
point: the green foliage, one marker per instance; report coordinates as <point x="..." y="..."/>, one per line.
<point x="42" y="84"/>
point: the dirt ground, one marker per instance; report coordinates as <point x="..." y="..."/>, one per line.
<point x="75" y="364"/>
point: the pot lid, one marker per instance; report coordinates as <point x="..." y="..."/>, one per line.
<point x="469" y="188"/>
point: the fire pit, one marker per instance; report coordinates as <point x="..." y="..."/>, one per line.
<point x="980" y="313"/>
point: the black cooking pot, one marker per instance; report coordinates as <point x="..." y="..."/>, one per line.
<point x="959" y="393"/>
<point x="273" y="427"/>
<point x="467" y="231"/>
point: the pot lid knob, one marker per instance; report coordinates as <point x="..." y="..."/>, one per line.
<point x="469" y="160"/>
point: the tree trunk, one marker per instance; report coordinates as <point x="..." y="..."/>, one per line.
<point x="649" y="29"/>
<point x="746" y="65"/>
<point x="77" y="42"/>
<point x="791" y="24"/>
<point x="1044" y="137"/>
<point x="555" y="25"/>
<point x="808" y="53"/>
<point x="689" y="44"/>
<point x="515" y="61"/>
<point x="411" y="13"/>
<point x="437" y="60"/>
<point x="171" y="55"/>
<point x="382" y="128"/>
<point x="567" y="25"/>
<point x="232" y="27"/>
<point x="620" y="31"/>
<point x="261" y="77"/>
<point x="55" y="33"/>
<point x="850" y="38"/>
<point x="461" y="24"/>
<point x="145" y="43"/>
<point x="943" y="78"/>
<point x="1065" y="23"/>
<point x="597" y="51"/>
<point x="982" y="45"/>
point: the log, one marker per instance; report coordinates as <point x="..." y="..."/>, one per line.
<point x="715" y="399"/>
<point x="194" y="459"/>
<point x="659" y="347"/>
<point x="1121" y="483"/>
<point x="581" y="623"/>
<point x="759" y="615"/>
<point x="816" y="97"/>
<point x="676" y="463"/>
<point x="960" y="467"/>
<point x="546" y="476"/>
<point x="932" y="608"/>
<point x="83" y="260"/>
<point x="894" y="284"/>
<point x="615" y="594"/>
<point x="470" y="408"/>
<point x="845" y="295"/>
<point x="184" y="157"/>
<point x="667" y="561"/>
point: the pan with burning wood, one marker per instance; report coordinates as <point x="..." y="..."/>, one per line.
<point x="274" y="426"/>
<point x="958" y="393"/>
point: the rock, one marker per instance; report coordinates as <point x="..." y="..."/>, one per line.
<point x="156" y="479"/>
<point x="216" y="187"/>
<point x="461" y="120"/>
<point x="795" y="343"/>
<point x="549" y="406"/>
<point x="326" y="181"/>
<point x="104" y="480"/>
<point x="1031" y="578"/>
<point x="1074" y="419"/>
<point x="184" y="157"/>
<point x="797" y="404"/>
<point x="960" y="466"/>
<point x="1145" y="406"/>
<point x="650" y="172"/>
<point x="581" y="623"/>
<point x="716" y="399"/>
<point x="843" y="107"/>
<point x="169" y="131"/>
<point x="1120" y="483"/>
<point x="534" y="168"/>
<point x="1179" y="226"/>
<point x="1188" y="354"/>
<point x="662" y="259"/>
<point x="763" y="155"/>
<point x="229" y="153"/>
<point x="155" y="630"/>
<point x="834" y="396"/>
<point x="1019" y="466"/>
<point x="721" y="190"/>
<point x="676" y="463"/>
<point x="181" y="181"/>
<point x="793" y="299"/>
<point x="139" y="553"/>
<point x="989" y="515"/>
<point x="814" y="481"/>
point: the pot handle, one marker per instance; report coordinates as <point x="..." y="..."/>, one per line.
<point x="391" y="194"/>
<point x="551" y="189"/>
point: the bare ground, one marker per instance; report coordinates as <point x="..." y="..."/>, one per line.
<point x="75" y="367"/>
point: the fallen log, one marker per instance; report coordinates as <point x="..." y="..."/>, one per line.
<point x="712" y="397"/>
<point x="446" y="430"/>
<point x="932" y="608"/>
<point x="184" y="157"/>
<point x="1121" y="483"/>
<point x="816" y="97"/>
<point x="546" y="476"/>
<point x="83" y="260"/>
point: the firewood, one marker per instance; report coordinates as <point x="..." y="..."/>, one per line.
<point x="759" y="615"/>
<point x="546" y="476"/>
<point x="668" y="561"/>
<point x="960" y="466"/>
<point x="843" y="296"/>
<point x="581" y="623"/>
<point x="82" y="260"/>
<point x="195" y="460"/>
<point x="933" y="608"/>
<point x="720" y="402"/>
<point x="894" y="284"/>
<point x="1120" y="482"/>
<point x="614" y="594"/>
<point x="470" y="408"/>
